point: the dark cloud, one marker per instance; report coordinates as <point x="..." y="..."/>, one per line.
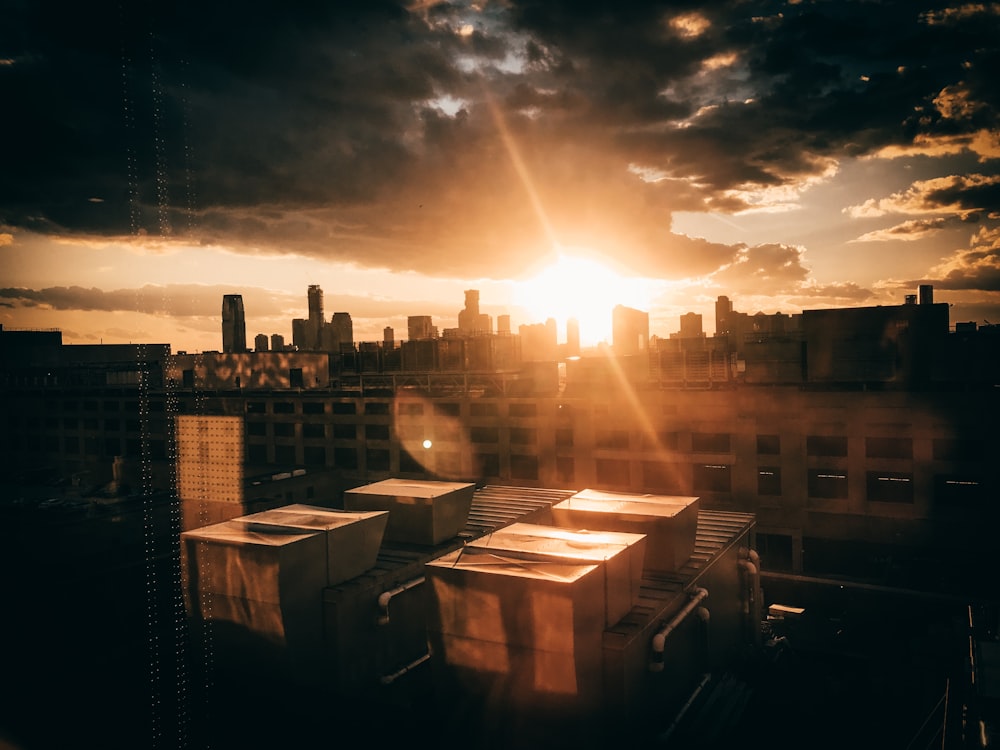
<point x="974" y="268"/>
<point x="461" y="140"/>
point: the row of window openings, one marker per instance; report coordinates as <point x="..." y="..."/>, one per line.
<point x="412" y="409"/>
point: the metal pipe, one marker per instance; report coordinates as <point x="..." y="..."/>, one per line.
<point x="660" y="638"/>
<point x="391" y="678"/>
<point x="684" y="709"/>
<point x="386" y="596"/>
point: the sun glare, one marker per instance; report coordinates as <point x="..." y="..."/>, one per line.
<point x="583" y="289"/>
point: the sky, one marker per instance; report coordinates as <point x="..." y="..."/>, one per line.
<point x="561" y="156"/>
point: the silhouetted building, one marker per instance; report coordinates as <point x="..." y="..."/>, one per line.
<point x="470" y="321"/>
<point x="723" y="311"/>
<point x="420" y="328"/>
<point x="234" y="328"/>
<point x="277" y="342"/>
<point x="299" y="335"/>
<point x="690" y="326"/>
<point x="317" y="321"/>
<point x="538" y="341"/>
<point x="339" y="335"/>
<point x="388" y="337"/>
<point x="503" y="325"/>
<point x="629" y="330"/>
<point x="260" y="342"/>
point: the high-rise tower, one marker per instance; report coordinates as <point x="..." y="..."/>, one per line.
<point x="234" y="327"/>
<point x="314" y="331"/>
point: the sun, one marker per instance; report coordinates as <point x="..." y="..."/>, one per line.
<point x="575" y="287"/>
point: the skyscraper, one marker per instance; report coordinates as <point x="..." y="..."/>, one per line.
<point x="343" y="331"/>
<point x="470" y="321"/>
<point x="260" y="342"/>
<point x="629" y="330"/>
<point x="314" y="331"/>
<point x="234" y="327"/>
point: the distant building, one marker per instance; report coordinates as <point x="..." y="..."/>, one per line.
<point x="277" y="342"/>
<point x="629" y="330"/>
<point x="343" y="332"/>
<point x="723" y="312"/>
<point x="314" y="331"/>
<point x="503" y="325"/>
<point x="260" y="342"/>
<point x="388" y="337"/>
<point x="420" y="328"/>
<point x="470" y="321"/>
<point x="538" y="341"/>
<point x="572" y="337"/>
<point x="299" y="336"/>
<point x="691" y="326"/>
<point x="234" y="328"/>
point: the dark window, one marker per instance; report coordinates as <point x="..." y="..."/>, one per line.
<point x="826" y="445"/>
<point x="616" y="440"/>
<point x="522" y="436"/>
<point x="489" y="464"/>
<point x="483" y="434"/>
<point x="564" y="437"/>
<point x="768" y="445"/>
<point x="565" y="470"/>
<point x="257" y="429"/>
<point x="284" y="454"/>
<point x="711" y="477"/>
<point x="408" y="464"/>
<point x="52" y="443"/>
<point x="523" y="467"/>
<point x="187" y="378"/>
<point x="827" y="484"/>
<point x="411" y="409"/>
<point x="256" y="407"/>
<point x="344" y="431"/>
<point x="313" y="431"/>
<point x="112" y="447"/>
<point x="257" y="454"/>
<point x="663" y="476"/>
<point x="888" y="447"/>
<point x="775" y="551"/>
<point x="284" y="407"/>
<point x="133" y="448"/>
<point x="376" y="407"/>
<point x="284" y="429"/>
<point x="345" y="458"/>
<point x="157" y="450"/>
<point x="312" y="407"/>
<point x="483" y="409"/>
<point x="521" y="410"/>
<point x="769" y="480"/>
<point x="446" y="409"/>
<point x="110" y="406"/>
<point x="377" y="459"/>
<point x="112" y="425"/>
<point x="90" y="423"/>
<point x="156" y="406"/>
<point x="710" y="442"/>
<point x="71" y="423"/>
<point x="74" y="405"/>
<point x="129" y="406"/>
<point x="946" y="449"/>
<point x="376" y="432"/>
<point x="71" y="445"/>
<point x="889" y="487"/>
<point x="314" y="455"/>
<point x="343" y="407"/>
<point x="90" y="406"/>
<point x="295" y="377"/>
<point x="410" y="431"/>
<point x="959" y="490"/>
<point x="612" y="471"/>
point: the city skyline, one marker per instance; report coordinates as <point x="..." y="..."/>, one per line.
<point x="559" y="159"/>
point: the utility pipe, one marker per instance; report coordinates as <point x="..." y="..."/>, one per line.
<point x="660" y="638"/>
<point x="386" y="596"/>
<point x="391" y="678"/>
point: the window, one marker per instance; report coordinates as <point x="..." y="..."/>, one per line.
<point x="112" y="425"/>
<point x="663" y="476"/>
<point x="74" y="405"/>
<point x="827" y="484"/>
<point x="313" y="431"/>
<point x="448" y="463"/>
<point x="284" y="429"/>
<point x="408" y="464"/>
<point x="110" y="406"/>
<point x="132" y="425"/>
<point x="410" y="431"/>
<point x="946" y="449"/>
<point x="312" y="407"/>
<point x="769" y="480"/>
<point x="768" y="445"/>
<point x="257" y="454"/>
<point x="711" y="477"/>
<point x="564" y="437"/>
<point x="90" y="423"/>
<point x="112" y="447"/>
<point x="775" y="551"/>
<point x="314" y="455"/>
<point x="284" y="454"/>
<point x="663" y="440"/>
<point x="483" y="409"/>
<point x="376" y="407"/>
<point x="295" y="377"/>
<point x="256" y="407"/>
<point x="187" y="378"/>
<point x="344" y="431"/>
<point x="90" y="406"/>
<point x="876" y="447"/>
<point x="257" y="429"/>
<point x="522" y="436"/>
<point x="376" y="432"/>
<point x="521" y="410"/>
<point x="565" y="470"/>
<point x="71" y="445"/>
<point x="823" y="445"/>
<point x="483" y="434"/>
<point x="889" y="487"/>
<point x="411" y="409"/>
<point x="959" y="490"/>
<point x="377" y="459"/>
<point x="612" y="471"/>
<point x="446" y="409"/>
<point x="489" y="464"/>
<point x="523" y="467"/>
<point x="345" y="458"/>
<point x="344" y="407"/>
<point x="284" y="407"/>
<point x="611" y="440"/>
<point x="710" y="442"/>
<point x="70" y="423"/>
